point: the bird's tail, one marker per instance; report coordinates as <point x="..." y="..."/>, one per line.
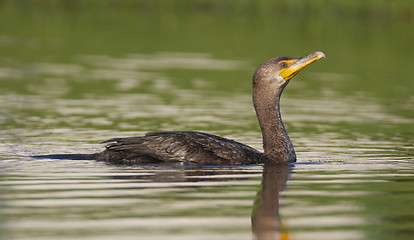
<point x="67" y="156"/>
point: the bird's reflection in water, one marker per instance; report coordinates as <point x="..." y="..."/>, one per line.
<point x="265" y="216"/>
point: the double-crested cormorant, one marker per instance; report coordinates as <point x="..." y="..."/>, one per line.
<point x="197" y="148"/>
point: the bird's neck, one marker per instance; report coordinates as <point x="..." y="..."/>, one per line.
<point x="276" y="143"/>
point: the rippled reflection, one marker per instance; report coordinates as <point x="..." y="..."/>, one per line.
<point x="266" y="222"/>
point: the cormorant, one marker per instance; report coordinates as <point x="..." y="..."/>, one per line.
<point x="197" y="148"/>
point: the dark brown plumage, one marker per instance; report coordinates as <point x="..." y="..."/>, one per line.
<point x="196" y="148"/>
<point x="184" y="147"/>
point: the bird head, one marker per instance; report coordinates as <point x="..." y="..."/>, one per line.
<point x="275" y="73"/>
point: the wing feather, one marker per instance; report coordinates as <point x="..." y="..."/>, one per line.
<point x="189" y="147"/>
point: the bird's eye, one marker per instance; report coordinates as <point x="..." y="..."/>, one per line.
<point x="283" y="65"/>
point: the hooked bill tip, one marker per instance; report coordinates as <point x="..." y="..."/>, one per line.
<point x="320" y="54"/>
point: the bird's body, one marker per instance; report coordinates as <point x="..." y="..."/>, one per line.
<point x="196" y="148"/>
<point x="189" y="148"/>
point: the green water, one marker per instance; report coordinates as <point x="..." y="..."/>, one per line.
<point x="74" y="73"/>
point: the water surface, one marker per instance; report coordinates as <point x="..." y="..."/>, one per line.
<point x="70" y="78"/>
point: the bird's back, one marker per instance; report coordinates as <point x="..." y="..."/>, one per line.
<point x="189" y="148"/>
